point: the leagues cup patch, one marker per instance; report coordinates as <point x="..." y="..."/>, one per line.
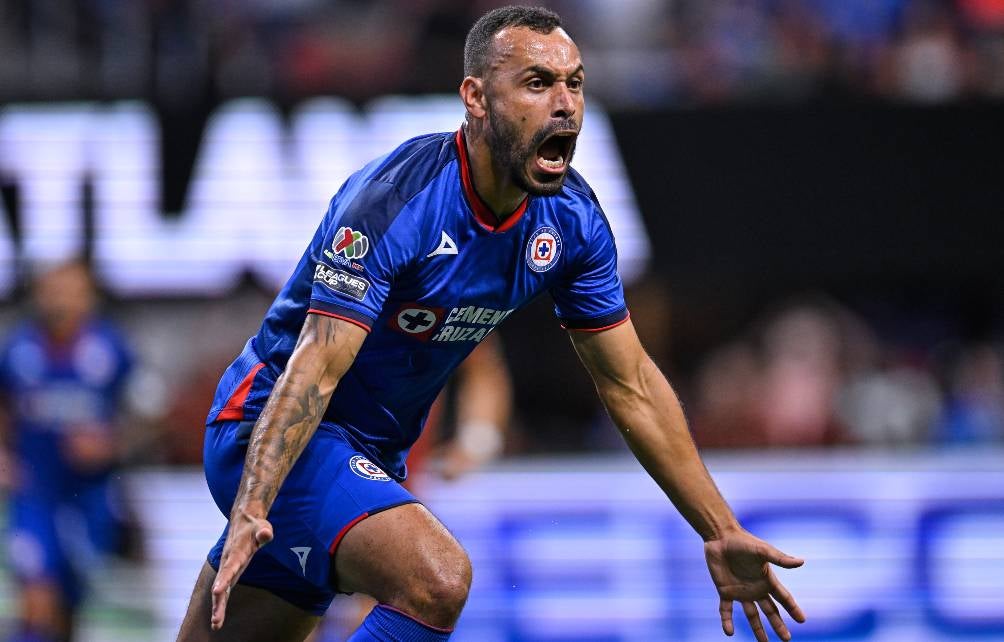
<point x="342" y="281"/>
<point x="543" y="250"/>
<point x="367" y="469"/>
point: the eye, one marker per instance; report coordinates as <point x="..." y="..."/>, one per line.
<point x="535" y="83"/>
<point x="575" y="84"/>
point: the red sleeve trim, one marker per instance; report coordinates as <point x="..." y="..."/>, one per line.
<point x="234" y="408"/>
<point x="606" y="327"/>
<point x="338" y="316"/>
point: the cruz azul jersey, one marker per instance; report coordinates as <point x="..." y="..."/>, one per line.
<point x="409" y="251"/>
<point x="54" y="390"/>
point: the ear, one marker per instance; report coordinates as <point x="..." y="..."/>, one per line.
<point x="472" y="92"/>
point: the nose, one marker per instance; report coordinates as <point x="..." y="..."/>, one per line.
<point x="564" y="103"/>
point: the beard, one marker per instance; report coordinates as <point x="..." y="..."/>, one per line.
<point x="512" y="158"/>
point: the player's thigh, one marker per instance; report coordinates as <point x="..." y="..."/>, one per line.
<point x="253" y="615"/>
<point x="400" y="551"/>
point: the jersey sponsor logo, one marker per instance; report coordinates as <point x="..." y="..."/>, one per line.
<point x="470" y="323"/>
<point x="353" y="244"/>
<point x="543" y="249"/>
<point x="341" y="281"/>
<point x="367" y="469"/>
<point x="416" y="320"/>
<point x="301" y="553"/>
<point x="446" y="246"/>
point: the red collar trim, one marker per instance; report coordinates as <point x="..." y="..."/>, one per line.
<point x="482" y="213"/>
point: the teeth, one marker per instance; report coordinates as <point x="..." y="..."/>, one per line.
<point x="553" y="164"/>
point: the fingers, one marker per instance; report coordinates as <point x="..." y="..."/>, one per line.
<point x="774" y="617"/>
<point x="785" y="599"/>
<point x="725" y="610"/>
<point x="263" y="535"/>
<point x="749" y="608"/>
<point x="774" y="556"/>
<point x="237" y="553"/>
<point x="220" y="593"/>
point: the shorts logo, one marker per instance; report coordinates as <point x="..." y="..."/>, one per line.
<point x="367" y="469"/>
<point x="342" y="281"/>
<point x="301" y="553"/>
<point x="543" y="249"/>
<point x="354" y="245"/>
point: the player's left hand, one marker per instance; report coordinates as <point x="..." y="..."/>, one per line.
<point x="248" y="532"/>
<point x="740" y="567"/>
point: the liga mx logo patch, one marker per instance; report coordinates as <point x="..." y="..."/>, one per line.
<point x="543" y="249"/>
<point x="367" y="469"/>
<point x="353" y="244"/>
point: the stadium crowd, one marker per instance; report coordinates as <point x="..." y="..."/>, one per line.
<point x="641" y="53"/>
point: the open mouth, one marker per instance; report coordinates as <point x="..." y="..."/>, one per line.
<point x="554" y="153"/>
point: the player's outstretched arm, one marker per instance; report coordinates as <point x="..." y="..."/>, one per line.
<point x="325" y="350"/>
<point x="648" y="414"/>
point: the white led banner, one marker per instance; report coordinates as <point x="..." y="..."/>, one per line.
<point x="898" y="547"/>
<point x="259" y="186"/>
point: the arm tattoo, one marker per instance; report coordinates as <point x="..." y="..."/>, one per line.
<point x="293" y="411"/>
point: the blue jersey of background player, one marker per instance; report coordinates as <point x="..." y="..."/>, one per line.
<point x="62" y="374"/>
<point x="409" y="252"/>
<point x="423" y="253"/>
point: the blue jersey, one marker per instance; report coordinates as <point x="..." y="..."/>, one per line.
<point x="408" y="251"/>
<point x="54" y="389"/>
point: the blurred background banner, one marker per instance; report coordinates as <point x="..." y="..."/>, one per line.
<point x="806" y="198"/>
<point x="576" y="549"/>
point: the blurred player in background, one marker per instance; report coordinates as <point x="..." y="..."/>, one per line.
<point x="421" y="254"/>
<point x="62" y="378"/>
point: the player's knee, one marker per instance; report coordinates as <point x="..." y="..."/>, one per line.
<point x="442" y="593"/>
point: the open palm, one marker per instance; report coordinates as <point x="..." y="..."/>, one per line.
<point x="740" y="568"/>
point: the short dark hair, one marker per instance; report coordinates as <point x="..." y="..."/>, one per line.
<point x="479" y="39"/>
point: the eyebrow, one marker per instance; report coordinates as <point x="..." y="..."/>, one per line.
<point x="548" y="72"/>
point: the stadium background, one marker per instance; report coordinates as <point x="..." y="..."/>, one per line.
<point x="809" y="190"/>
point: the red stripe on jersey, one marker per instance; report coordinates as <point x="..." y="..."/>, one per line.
<point x="338" y="316"/>
<point x="606" y="327"/>
<point x="234" y="408"/>
<point x="482" y="213"/>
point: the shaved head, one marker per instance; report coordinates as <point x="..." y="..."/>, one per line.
<point x="478" y="48"/>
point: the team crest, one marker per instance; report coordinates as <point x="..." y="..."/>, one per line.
<point x="543" y="249"/>
<point x="353" y="244"/>
<point x="367" y="469"/>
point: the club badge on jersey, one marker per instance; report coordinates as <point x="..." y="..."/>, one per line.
<point x="543" y="250"/>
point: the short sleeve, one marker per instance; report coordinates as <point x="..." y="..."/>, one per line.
<point x="591" y="298"/>
<point x="359" y="254"/>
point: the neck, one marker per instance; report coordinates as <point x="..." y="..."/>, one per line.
<point x="493" y="185"/>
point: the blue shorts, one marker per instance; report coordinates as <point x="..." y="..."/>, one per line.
<point x="60" y="540"/>
<point x="330" y="489"/>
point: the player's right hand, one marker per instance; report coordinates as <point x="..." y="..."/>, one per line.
<point x="247" y="534"/>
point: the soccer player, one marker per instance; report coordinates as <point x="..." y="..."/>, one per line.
<point x="62" y="378"/>
<point x="421" y="254"/>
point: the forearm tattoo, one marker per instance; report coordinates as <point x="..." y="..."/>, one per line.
<point x="291" y="415"/>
